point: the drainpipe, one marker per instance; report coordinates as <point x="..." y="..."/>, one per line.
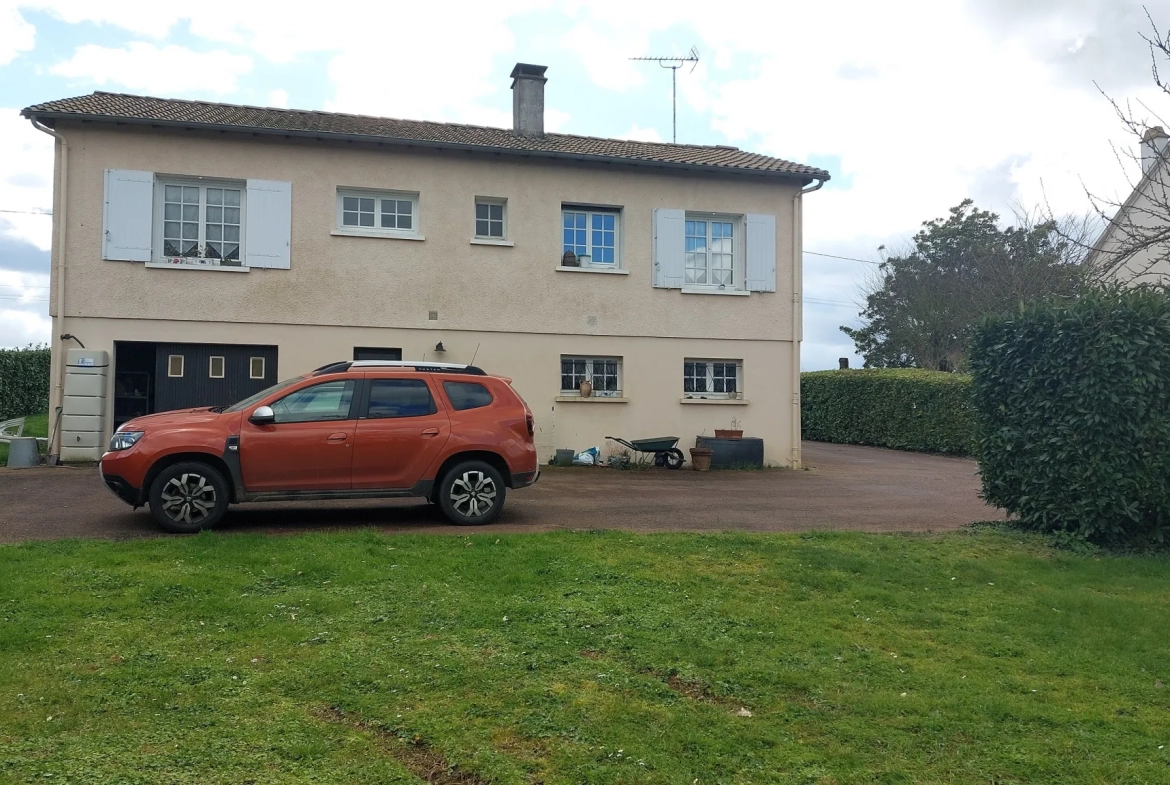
<point x="797" y="316"/>
<point x="57" y="369"/>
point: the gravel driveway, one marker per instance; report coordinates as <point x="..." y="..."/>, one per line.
<point x="845" y="488"/>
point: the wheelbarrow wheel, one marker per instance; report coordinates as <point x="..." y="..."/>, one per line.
<point x="673" y="458"/>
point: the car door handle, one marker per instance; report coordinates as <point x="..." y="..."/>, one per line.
<point x="336" y="437"/>
<point x="431" y="432"/>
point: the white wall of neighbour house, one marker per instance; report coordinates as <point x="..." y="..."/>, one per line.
<point x="1145" y="211"/>
<point x="509" y="306"/>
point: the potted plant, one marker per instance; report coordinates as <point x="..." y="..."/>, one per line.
<point x="734" y="432"/>
<point x="570" y="260"/>
<point x="701" y="458"/>
<point x="586" y="388"/>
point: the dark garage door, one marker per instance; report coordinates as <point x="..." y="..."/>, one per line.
<point x="204" y="374"/>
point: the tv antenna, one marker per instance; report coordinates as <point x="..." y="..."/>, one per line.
<point x="674" y="63"/>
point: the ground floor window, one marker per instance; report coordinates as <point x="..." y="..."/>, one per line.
<point x="604" y="375"/>
<point x="713" y="378"/>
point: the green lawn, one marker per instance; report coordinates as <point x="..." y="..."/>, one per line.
<point x="34" y="425"/>
<point x="974" y="657"/>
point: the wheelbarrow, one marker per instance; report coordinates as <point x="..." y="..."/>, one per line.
<point x="662" y="447"/>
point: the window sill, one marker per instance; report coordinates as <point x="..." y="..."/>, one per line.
<point x="211" y="267"/>
<point x="590" y="399"/>
<point x="731" y="292"/>
<point x="602" y="270"/>
<point x="716" y="401"/>
<point x="486" y="241"/>
<point x="379" y="235"/>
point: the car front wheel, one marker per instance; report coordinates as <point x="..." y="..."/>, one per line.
<point x="188" y="497"/>
<point x="472" y="493"/>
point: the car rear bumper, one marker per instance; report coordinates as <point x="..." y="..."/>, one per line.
<point x="524" y="479"/>
<point x="122" y="489"/>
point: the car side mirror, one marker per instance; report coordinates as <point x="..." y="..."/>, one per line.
<point x="263" y="415"/>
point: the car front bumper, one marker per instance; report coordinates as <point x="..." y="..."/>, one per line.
<point x="122" y="489"/>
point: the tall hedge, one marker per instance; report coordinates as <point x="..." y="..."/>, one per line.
<point x="902" y="408"/>
<point x="24" y="381"/>
<point x="1073" y="415"/>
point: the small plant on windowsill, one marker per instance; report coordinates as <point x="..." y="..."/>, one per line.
<point x="569" y="259"/>
<point x="734" y="432"/>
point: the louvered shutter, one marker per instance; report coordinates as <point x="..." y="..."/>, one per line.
<point x="761" y="253"/>
<point x="268" y="234"/>
<point x="128" y="216"/>
<point x="669" y="247"/>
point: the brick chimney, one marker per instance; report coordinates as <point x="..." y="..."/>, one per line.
<point x="528" y="99"/>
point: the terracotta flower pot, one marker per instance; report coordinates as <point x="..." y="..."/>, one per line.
<point x="586" y="389"/>
<point x="726" y="433"/>
<point x="701" y="458"/>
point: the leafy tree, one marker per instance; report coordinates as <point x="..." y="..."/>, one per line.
<point x="921" y="305"/>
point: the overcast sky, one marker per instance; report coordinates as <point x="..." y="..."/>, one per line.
<point x="912" y="106"/>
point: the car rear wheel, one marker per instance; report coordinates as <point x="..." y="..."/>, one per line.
<point x="188" y="497"/>
<point x="472" y="494"/>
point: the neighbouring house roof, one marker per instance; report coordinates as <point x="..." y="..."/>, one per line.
<point x="169" y="112"/>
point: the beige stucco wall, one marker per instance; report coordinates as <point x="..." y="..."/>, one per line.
<point x="652" y="374"/>
<point x="343" y="292"/>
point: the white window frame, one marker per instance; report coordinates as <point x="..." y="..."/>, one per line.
<point x="160" y="190"/>
<point x="252" y="367"/>
<point x="211" y="374"/>
<point x="490" y="201"/>
<point x="738" y="255"/>
<point x="708" y="376"/>
<point x="413" y="233"/>
<point x="171" y="364"/>
<point x="590" y="211"/>
<point x="590" y="375"/>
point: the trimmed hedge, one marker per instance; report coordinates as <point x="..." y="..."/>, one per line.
<point x="24" y="381"/>
<point x="1073" y="415"/>
<point x="902" y="408"/>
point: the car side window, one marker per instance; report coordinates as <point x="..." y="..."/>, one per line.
<point x="399" y="398"/>
<point x="325" y="401"/>
<point x="467" y="395"/>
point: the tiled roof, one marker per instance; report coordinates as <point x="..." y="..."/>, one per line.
<point x="201" y="114"/>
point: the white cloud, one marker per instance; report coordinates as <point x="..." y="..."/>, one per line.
<point x="26" y="173"/>
<point x="605" y="51"/>
<point x="640" y="134"/>
<point x="278" y="98"/>
<point x="16" y="35"/>
<point x="20" y="327"/>
<point x="170" y="70"/>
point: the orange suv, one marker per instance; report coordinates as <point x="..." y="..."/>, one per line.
<point x="350" y="430"/>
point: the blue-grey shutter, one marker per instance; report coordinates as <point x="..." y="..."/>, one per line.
<point x="761" y="253"/>
<point x="128" y="217"/>
<point x="669" y="247"/>
<point x="268" y="234"/>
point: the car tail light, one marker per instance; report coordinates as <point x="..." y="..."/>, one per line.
<point x="531" y="423"/>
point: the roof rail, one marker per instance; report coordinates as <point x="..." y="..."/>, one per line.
<point x="421" y="366"/>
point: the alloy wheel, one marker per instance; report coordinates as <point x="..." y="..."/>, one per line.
<point x="473" y="494"/>
<point x="188" y="498"/>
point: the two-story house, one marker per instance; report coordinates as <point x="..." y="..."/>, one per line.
<point x="211" y="250"/>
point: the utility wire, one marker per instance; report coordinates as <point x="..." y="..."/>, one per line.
<point x="846" y="258"/>
<point x="27" y="212"/>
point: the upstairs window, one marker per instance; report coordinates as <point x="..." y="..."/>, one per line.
<point x="591" y="236"/>
<point x="201" y="220"/>
<point x="710" y="252"/>
<point x="490" y="223"/>
<point x="365" y="212"/>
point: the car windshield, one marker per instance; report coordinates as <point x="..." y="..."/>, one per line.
<point x="251" y="399"/>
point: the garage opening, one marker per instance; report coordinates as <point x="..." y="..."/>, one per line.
<point x="154" y="377"/>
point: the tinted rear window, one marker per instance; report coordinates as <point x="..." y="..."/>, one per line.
<point x="467" y="395"/>
<point x="400" y="398"/>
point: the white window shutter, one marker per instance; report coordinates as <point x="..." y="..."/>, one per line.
<point x="268" y="234"/>
<point x="127" y="221"/>
<point x="761" y="253"/>
<point x="669" y="247"/>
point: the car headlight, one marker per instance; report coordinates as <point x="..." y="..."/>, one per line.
<point x="124" y="440"/>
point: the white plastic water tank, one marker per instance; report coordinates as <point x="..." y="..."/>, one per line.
<point x="84" y="409"/>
